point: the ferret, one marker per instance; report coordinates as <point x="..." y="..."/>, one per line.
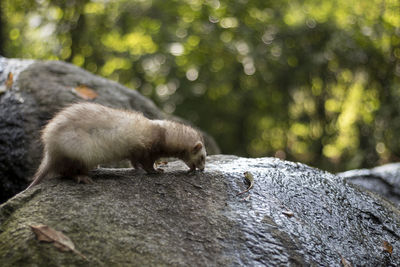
<point x="84" y="135"/>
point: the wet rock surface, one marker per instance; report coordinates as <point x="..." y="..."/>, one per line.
<point x="383" y="180"/>
<point x="38" y="90"/>
<point x="294" y="216"/>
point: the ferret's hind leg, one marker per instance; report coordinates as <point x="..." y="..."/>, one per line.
<point x="135" y="164"/>
<point x="83" y="179"/>
<point x="75" y="169"/>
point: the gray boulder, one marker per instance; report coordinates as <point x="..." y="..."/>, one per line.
<point x="383" y="180"/>
<point x="37" y="90"/>
<point x="293" y="216"/>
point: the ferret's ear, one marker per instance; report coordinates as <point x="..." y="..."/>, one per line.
<point x="197" y="147"/>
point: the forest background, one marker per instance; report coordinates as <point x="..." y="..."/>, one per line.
<point x="304" y="80"/>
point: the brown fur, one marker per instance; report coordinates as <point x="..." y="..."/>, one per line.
<point x="84" y="135"/>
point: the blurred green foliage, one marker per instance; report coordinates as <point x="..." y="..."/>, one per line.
<point x="306" y="80"/>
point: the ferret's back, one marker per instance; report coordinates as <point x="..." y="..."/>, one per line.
<point x="94" y="132"/>
<point x="87" y="116"/>
<point x="84" y="113"/>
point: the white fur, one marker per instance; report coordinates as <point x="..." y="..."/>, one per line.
<point x="87" y="134"/>
<point x="95" y="134"/>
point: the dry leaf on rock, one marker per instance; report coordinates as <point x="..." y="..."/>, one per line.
<point x="387" y="247"/>
<point x="85" y="92"/>
<point x="246" y="198"/>
<point x="288" y="213"/>
<point x="250" y="180"/>
<point x="345" y="262"/>
<point x="10" y="80"/>
<point x="60" y="241"/>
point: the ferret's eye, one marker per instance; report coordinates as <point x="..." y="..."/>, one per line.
<point x="202" y="158"/>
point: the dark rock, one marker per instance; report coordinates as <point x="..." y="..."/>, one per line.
<point x="39" y="90"/>
<point x="294" y="216"/>
<point x="383" y="180"/>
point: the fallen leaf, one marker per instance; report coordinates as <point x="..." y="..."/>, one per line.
<point x="387" y="247"/>
<point x="10" y="80"/>
<point x="86" y="92"/>
<point x="288" y="213"/>
<point x="345" y="262"/>
<point x="246" y="198"/>
<point x="60" y="241"/>
<point x="250" y="180"/>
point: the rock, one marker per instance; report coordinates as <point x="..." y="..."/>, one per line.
<point x="38" y="90"/>
<point x="383" y="180"/>
<point x="293" y="216"/>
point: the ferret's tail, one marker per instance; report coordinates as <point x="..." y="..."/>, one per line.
<point x="42" y="172"/>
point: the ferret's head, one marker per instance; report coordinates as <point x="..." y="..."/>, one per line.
<point x="196" y="157"/>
